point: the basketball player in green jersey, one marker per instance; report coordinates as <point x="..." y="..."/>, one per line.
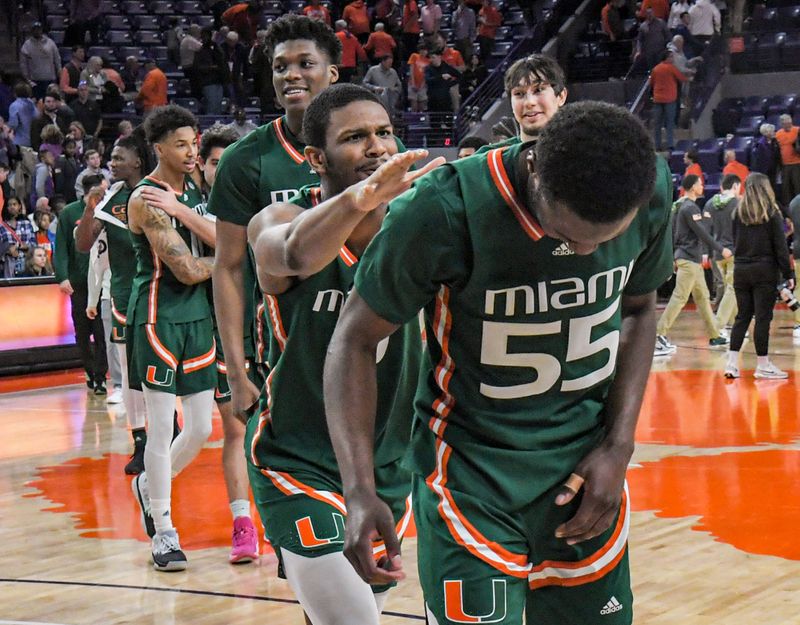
<point x="306" y="253"/>
<point x="536" y="268"/>
<point x="129" y="162"/>
<point x="265" y="167"/>
<point x="170" y="333"/>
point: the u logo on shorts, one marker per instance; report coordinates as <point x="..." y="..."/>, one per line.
<point x="454" y="603"/>
<point x="309" y="538"/>
<point x="167" y="380"/>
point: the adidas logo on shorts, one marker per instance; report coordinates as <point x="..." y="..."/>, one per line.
<point x="612" y="606"/>
<point x="562" y="250"/>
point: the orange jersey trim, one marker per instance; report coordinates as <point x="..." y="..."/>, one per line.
<point x="158" y="347"/>
<point x="122" y="319"/>
<point x="290" y="149"/>
<point x="263" y="418"/>
<point x="152" y="297"/>
<point x="201" y="362"/>
<point x="501" y="180"/>
<point x="276" y="321"/>
<point x="289" y="486"/>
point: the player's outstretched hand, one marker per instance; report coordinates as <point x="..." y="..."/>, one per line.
<point x="391" y="179"/>
<point x="601" y="475"/>
<point x="368" y="519"/>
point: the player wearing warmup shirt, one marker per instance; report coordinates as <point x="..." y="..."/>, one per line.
<point x="307" y="253"/>
<point x="170" y="335"/>
<point x="245" y="537"/>
<point x="538" y="289"/>
<point x="129" y="162"/>
<point x="265" y="167"/>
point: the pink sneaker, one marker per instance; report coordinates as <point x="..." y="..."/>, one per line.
<point x="245" y="541"/>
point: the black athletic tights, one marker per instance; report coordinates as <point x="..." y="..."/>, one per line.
<point x="754" y="285"/>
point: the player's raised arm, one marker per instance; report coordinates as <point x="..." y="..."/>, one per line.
<point x="167" y="243"/>
<point x="350" y="390"/>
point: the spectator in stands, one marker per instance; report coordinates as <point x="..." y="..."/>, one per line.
<point x="470" y="145"/>
<point x="651" y="41"/>
<point x="154" y="88"/>
<point x="704" y="20"/>
<point x="16" y="237"/>
<point x="65" y="171"/>
<point x="37" y="264"/>
<point x="40" y="61"/>
<point x="489" y="20"/>
<point x="679" y="59"/>
<point x="71" y="74"/>
<point x="766" y="156"/>
<point x="384" y="81"/>
<point x="54" y="112"/>
<point x="132" y="76"/>
<point x="72" y="268"/>
<point x="244" y="18"/>
<point x="387" y="12"/>
<point x="417" y="89"/>
<point x="691" y="242"/>
<point x="173" y="38"/>
<point x="536" y="88"/>
<point x="439" y="78"/>
<point x="43" y="183"/>
<point x="678" y="8"/>
<point x="762" y="259"/>
<point x="790" y="158"/>
<point x="261" y="71"/>
<point x="411" y="28"/>
<point x="83" y="141"/>
<point x="692" y="45"/>
<point x="52" y="141"/>
<point x="721" y="206"/>
<point x="93" y="162"/>
<point x="352" y="52"/>
<point x="431" y="19"/>
<point x="87" y="112"/>
<point x="125" y="129"/>
<point x="357" y="18"/>
<point x="43" y="221"/>
<point x="660" y="9"/>
<point x="240" y="124"/>
<point x="474" y="74"/>
<point x="111" y="74"/>
<point x="190" y="45"/>
<point x="217" y="9"/>
<point x="664" y="81"/>
<point x="113" y="102"/>
<point x="732" y="166"/>
<point x="84" y="17"/>
<point x="464" y="29"/>
<point x="380" y="43"/>
<point x="315" y="10"/>
<point x="691" y="160"/>
<point x="611" y="20"/>
<point x="21" y="114"/>
<point x="235" y="57"/>
<point x="95" y="77"/>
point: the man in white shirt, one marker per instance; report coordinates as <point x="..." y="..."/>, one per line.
<point x="705" y="20"/>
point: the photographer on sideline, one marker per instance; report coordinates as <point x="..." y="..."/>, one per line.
<point x="760" y="253"/>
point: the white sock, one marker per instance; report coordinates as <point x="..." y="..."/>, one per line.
<point x="762" y="361"/>
<point x="349" y="600"/>
<point x="160" y="407"/>
<point x="380" y="600"/>
<point x="131" y="399"/>
<point x="733" y="359"/>
<point x="240" y="507"/>
<point x="196" y="429"/>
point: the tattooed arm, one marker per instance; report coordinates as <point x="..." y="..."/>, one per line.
<point x="167" y="244"/>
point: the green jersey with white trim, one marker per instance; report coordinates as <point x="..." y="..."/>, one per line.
<point x="113" y="212"/>
<point x="523" y="335"/>
<point x="157" y="293"/>
<point x="291" y="433"/>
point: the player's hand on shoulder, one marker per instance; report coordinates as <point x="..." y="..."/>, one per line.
<point x="368" y="519"/>
<point x="162" y="199"/>
<point x="391" y="179"/>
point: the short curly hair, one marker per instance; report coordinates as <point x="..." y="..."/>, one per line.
<point x="217" y="136"/>
<point x="166" y="119"/>
<point x="317" y="117"/>
<point x="596" y="159"/>
<point x="290" y="27"/>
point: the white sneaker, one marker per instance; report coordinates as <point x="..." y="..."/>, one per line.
<point x="725" y="333"/>
<point x="731" y="372"/>
<point x="770" y="372"/>
<point x="167" y="554"/>
<point x="115" y="397"/>
<point x="796" y="332"/>
<point x="664" y="346"/>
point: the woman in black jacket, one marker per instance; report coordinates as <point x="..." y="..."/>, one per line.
<point x="761" y="262"/>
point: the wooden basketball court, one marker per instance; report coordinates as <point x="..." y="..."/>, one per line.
<point x="714" y="487"/>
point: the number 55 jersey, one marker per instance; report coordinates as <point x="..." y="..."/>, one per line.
<point x="523" y="335"/>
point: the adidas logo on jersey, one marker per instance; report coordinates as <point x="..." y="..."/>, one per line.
<point x="612" y="606"/>
<point x="562" y="250"/>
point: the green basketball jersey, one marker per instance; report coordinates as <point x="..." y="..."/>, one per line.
<point x="522" y="334"/>
<point x="156" y="292"/>
<point x="291" y="433"/>
<point x="113" y="212"/>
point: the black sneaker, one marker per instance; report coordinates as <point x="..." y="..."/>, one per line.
<point x="140" y="492"/>
<point x="136" y="464"/>
<point x="720" y="341"/>
<point x="167" y="554"/>
<point x="89" y="381"/>
<point x="100" y="389"/>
